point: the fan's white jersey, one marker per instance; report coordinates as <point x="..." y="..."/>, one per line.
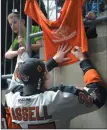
<point x="50" y="109"/>
<point x="20" y="59"/>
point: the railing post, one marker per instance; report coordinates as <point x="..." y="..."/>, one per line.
<point x="28" y="39"/>
<point x="6" y="36"/>
<point x="98" y="10"/>
<point x="48" y="8"/>
<point x="86" y="6"/>
<point x="56" y="10"/>
<point x="20" y="17"/>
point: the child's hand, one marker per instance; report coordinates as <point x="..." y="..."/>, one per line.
<point x="20" y="41"/>
<point x="21" y="50"/>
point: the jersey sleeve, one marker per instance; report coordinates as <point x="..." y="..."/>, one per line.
<point x="60" y="98"/>
<point x="35" y="29"/>
<point x="90" y="74"/>
<point x="74" y="101"/>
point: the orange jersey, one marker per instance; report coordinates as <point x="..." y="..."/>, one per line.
<point x="68" y="28"/>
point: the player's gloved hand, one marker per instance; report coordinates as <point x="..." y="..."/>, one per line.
<point x="61" y="53"/>
<point x="77" y="52"/>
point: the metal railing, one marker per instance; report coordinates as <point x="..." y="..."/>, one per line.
<point x="29" y="36"/>
<point x="6" y="36"/>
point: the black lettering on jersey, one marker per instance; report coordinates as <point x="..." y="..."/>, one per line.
<point x="30" y="113"/>
<point x="24" y="100"/>
<point x="87" y="99"/>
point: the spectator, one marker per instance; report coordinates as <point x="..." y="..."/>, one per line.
<point x="9" y="36"/>
<point x="92" y="8"/>
<point x="19" y="43"/>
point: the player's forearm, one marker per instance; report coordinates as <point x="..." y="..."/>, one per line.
<point x="85" y="65"/>
<point x="51" y="64"/>
<point x="11" y="54"/>
<point x="90" y="74"/>
<point x="93" y="83"/>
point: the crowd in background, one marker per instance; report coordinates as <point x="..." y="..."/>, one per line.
<point x="90" y="10"/>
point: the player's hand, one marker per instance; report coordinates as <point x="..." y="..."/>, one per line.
<point x="21" y="50"/>
<point x="77" y="52"/>
<point x="60" y="55"/>
<point x="21" y="40"/>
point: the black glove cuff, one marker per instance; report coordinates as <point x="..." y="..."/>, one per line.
<point x="85" y="65"/>
<point x="51" y="64"/>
